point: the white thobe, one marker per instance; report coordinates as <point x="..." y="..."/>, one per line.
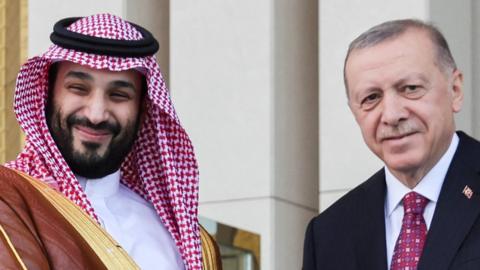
<point x="132" y="222"/>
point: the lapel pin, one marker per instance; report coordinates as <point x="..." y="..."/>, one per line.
<point x="468" y="192"/>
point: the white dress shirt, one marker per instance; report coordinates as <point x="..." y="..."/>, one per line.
<point x="132" y="222"/>
<point x="429" y="187"/>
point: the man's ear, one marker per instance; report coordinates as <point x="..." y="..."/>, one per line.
<point x="456" y="88"/>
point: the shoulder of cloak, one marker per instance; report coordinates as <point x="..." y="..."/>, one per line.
<point x="41" y="229"/>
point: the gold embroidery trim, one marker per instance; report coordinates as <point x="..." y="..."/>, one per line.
<point x="12" y="248"/>
<point x="106" y="248"/>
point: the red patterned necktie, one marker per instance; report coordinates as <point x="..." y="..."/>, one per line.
<point x="409" y="246"/>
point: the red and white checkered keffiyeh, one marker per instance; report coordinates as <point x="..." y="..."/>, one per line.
<point x="161" y="166"/>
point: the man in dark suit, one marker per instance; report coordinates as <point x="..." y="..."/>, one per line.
<point x="422" y="210"/>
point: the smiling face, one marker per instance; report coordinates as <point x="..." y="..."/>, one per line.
<point x="93" y="117"/>
<point x="404" y="102"/>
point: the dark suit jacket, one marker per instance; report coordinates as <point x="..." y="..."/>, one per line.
<point x="351" y="233"/>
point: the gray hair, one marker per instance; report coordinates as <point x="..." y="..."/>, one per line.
<point x="392" y="29"/>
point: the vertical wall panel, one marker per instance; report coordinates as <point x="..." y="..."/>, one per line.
<point x="12" y="52"/>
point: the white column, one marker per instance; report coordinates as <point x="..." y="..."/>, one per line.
<point x="295" y="127"/>
<point x="476" y="68"/>
<point x="244" y="81"/>
<point x="154" y="16"/>
<point x="454" y="19"/>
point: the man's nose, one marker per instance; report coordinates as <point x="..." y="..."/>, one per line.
<point x="394" y="110"/>
<point x="96" y="110"/>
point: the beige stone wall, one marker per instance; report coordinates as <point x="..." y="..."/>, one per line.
<point x="13" y="29"/>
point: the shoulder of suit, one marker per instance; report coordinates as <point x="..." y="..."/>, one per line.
<point x="468" y="150"/>
<point x="350" y="203"/>
<point x="467" y="143"/>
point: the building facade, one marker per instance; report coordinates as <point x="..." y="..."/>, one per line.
<point x="258" y="85"/>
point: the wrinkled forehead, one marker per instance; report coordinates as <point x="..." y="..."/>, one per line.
<point x="412" y="48"/>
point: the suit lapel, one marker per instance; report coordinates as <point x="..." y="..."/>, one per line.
<point x="455" y="213"/>
<point x="371" y="247"/>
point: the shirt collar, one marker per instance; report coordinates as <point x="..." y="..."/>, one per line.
<point x="429" y="186"/>
<point x="100" y="187"/>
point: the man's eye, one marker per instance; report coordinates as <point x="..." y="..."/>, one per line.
<point x="371" y="97"/>
<point x="119" y="96"/>
<point x="411" y="88"/>
<point x="79" y="89"/>
<point x="370" y="101"/>
<point x="413" y="91"/>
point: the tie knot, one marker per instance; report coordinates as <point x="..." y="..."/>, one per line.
<point x="414" y="203"/>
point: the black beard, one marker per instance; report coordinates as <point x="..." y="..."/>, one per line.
<point x="90" y="164"/>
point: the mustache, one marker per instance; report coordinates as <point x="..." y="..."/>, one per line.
<point x="400" y="130"/>
<point x="113" y="128"/>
